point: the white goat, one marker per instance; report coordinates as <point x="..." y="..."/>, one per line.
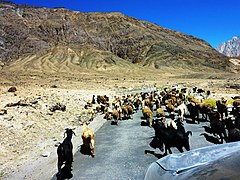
<point x="182" y="109"/>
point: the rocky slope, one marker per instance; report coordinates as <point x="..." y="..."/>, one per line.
<point x="231" y="47"/>
<point x="58" y="39"/>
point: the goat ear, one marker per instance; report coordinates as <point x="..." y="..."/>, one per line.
<point x="64" y="134"/>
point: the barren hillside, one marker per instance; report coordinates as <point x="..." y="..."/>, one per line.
<point x="59" y="56"/>
<point x="61" y="40"/>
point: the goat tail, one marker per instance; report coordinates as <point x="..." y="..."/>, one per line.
<point x="92" y="143"/>
<point x="189" y="132"/>
<point x="202" y="134"/>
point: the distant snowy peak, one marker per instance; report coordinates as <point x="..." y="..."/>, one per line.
<point x="230" y="48"/>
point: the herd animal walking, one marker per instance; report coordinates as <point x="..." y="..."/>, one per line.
<point x="165" y="112"/>
<point x="65" y="152"/>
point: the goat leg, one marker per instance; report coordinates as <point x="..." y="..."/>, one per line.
<point x="60" y="163"/>
<point x="92" y="147"/>
<point x="170" y="151"/>
<point x="180" y="149"/>
<point x="167" y="149"/>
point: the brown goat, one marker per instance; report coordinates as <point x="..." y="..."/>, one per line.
<point x="236" y="102"/>
<point x="115" y="115"/>
<point x="169" y="101"/>
<point x="148" y="115"/>
<point x="205" y="108"/>
<point x="170" y="107"/>
<point x="88" y="138"/>
<point x="149" y="103"/>
<point x="160" y="113"/>
<point x="127" y="111"/>
<point x="193" y="100"/>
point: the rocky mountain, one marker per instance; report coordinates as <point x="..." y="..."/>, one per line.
<point x="59" y="39"/>
<point x="231" y="47"/>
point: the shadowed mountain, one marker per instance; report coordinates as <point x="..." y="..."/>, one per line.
<point x="34" y="38"/>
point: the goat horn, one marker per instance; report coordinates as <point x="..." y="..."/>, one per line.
<point x="74" y="133"/>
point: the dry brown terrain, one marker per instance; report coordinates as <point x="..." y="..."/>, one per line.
<point x="28" y="131"/>
<point x="71" y="56"/>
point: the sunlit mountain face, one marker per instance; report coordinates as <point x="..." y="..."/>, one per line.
<point x="231" y="47"/>
<point x="56" y="38"/>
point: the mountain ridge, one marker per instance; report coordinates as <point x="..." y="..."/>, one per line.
<point x="28" y="31"/>
<point x="231" y="47"/>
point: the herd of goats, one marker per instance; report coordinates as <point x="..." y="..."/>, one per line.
<point x="164" y="111"/>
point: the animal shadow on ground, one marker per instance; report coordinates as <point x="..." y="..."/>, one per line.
<point x="113" y="123"/>
<point x="144" y="123"/>
<point x="125" y="118"/>
<point x="208" y="129"/>
<point x="190" y="121"/>
<point x="85" y="151"/>
<point x="211" y="139"/>
<point x="153" y="153"/>
<point x="155" y="144"/>
<point x="66" y="172"/>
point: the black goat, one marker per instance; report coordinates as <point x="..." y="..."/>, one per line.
<point x="217" y="126"/>
<point x="222" y="109"/>
<point x="236" y="107"/>
<point x="233" y="131"/>
<point x="64" y="151"/>
<point x="200" y="91"/>
<point x="171" y="137"/>
<point x="193" y="111"/>
<point x="137" y="103"/>
<point x="194" y="89"/>
<point x="157" y="140"/>
<point x="237" y="121"/>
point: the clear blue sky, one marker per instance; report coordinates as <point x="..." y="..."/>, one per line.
<point x="214" y="21"/>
